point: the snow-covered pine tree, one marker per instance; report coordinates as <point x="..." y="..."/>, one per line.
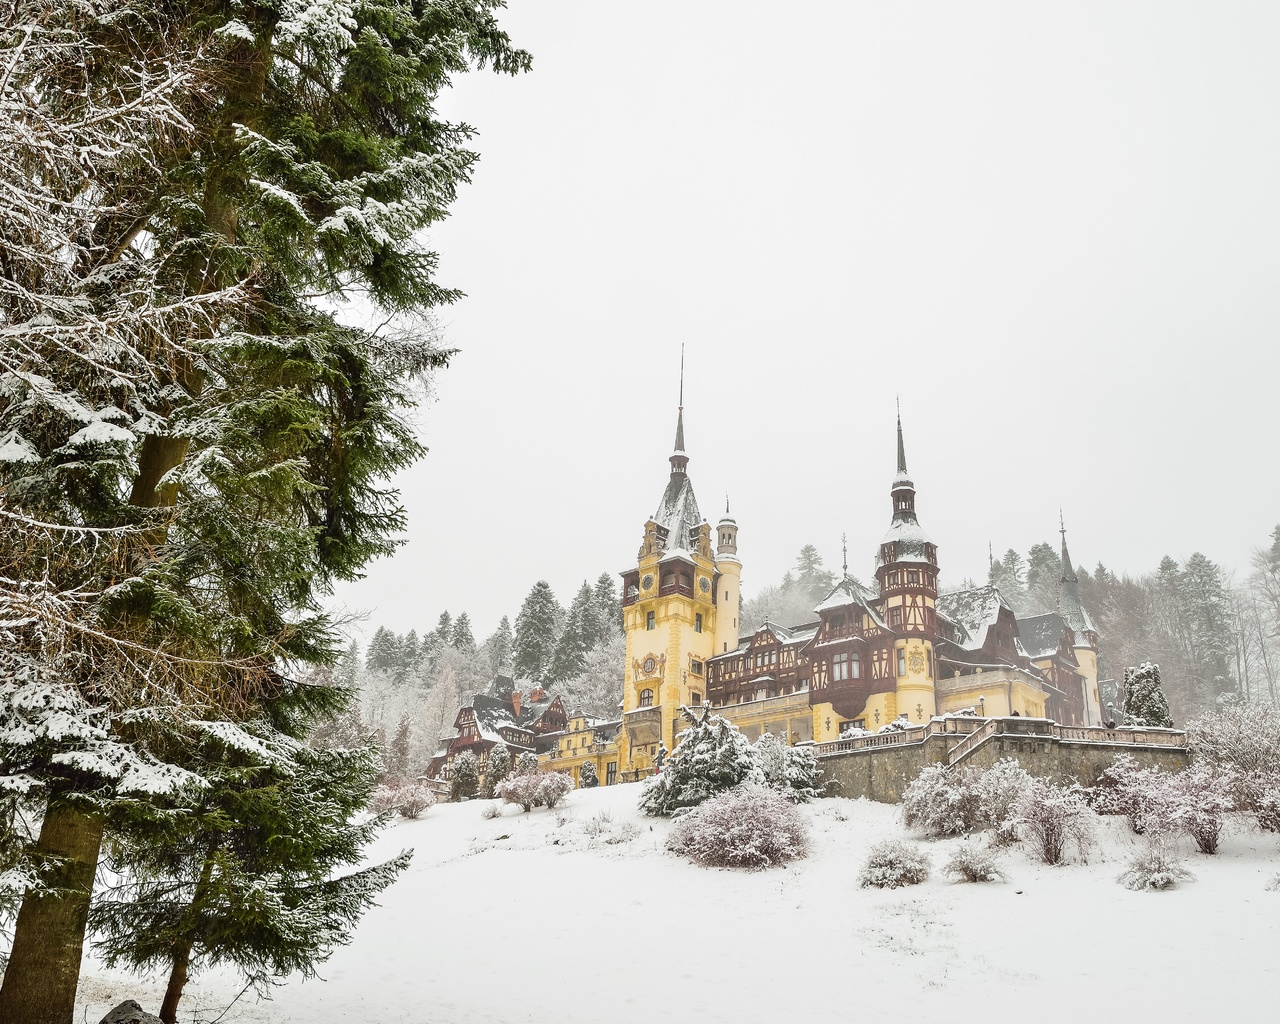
<point x="526" y="763"/>
<point x="397" y="762"/>
<point x="497" y="768"/>
<point x="254" y="868"/>
<point x="537" y="631"/>
<point x="597" y="689"/>
<point x="710" y="757"/>
<point x="587" y="778"/>
<point x="580" y="626"/>
<point x="498" y="647"/>
<point x="461" y="636"/>
<point x="175" y="404"/>
<point x="466" y="776"/>
<point x="792" y="770"/>
<point x="1144" y="700"/>
<point x="608" y="607"/>
<point x="811" y="577"/>
<point x="1044" y="575"/>
<point x="383" y="652"/>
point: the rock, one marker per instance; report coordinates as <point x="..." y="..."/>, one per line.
<point x="129" y="1012"/>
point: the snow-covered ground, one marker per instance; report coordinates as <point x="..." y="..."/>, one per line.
<point x="578" y="914"/>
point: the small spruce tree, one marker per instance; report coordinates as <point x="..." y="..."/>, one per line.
<point x="710" y="757"/>
<point x="497" y="768"/>
<point x="1144" y="700"/>
<point x="526" y="763"/>
<point x="587" y="778"/>
<point x="466" y="776"/>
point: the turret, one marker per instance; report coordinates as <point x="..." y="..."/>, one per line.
<point x="728" y="583"/>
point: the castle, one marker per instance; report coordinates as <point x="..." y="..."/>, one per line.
<point x="893" y="651"/>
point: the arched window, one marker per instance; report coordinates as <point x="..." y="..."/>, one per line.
<point x="646" y="698"/>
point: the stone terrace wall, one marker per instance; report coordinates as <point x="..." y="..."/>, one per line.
<point x="882" y="772"/>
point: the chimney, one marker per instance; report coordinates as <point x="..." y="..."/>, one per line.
<point x="537" y="693"/>
<point x="516" y="695"/>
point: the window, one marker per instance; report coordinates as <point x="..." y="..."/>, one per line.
<point x="913" y="576"/>
<point x="892" y="579"/>
<point x="646" y="698"/>
<point x="650" y="622"/>
<point x="895" y="615"/>
<point x="697" y="623"/>
<point x="840" y="667"/>
<point x="902" y="661"/>
<point x="697" y="697"/>
<point x="928" y="661"/>
<point x="855" y="667"/>
<point x="611" y="773"/>
<point x="695" y="667"/>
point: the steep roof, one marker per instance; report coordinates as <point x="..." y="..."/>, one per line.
<point x="973" y="611"/>
<point x="678" y="512"/>
<point x="1069" y="605"/>
<point x="847" y="591"/>
<point x="1041" y="634"/>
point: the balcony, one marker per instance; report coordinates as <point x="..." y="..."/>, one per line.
<point x="644" y="725"/>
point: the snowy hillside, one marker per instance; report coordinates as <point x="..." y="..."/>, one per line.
<point x="578" y="914"/>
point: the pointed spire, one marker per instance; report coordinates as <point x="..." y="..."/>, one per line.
<point x="902" y="451"/>
<point x="679" y="460"/>
<point x="1068" y="571"/>
<point x="844" y="548"/>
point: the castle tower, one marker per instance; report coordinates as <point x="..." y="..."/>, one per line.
<point x="671" y="615"/>
<point x="1086" y="640"/>
<point x="728" y="584"/>
<point x="907" y="571"/>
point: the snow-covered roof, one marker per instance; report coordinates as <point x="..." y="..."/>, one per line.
<point x="1041" y="634"/>
<point x="847" y="592"/>
<point x="678" y="512"/>
<point x="909" y="535"/>
<point x="973" y="611"/>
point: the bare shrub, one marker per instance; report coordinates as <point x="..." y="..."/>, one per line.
<point x="1154" y="869"/>
<point x="1267" y="808"/>
<point x="1054" y="818"/>
<point x="1166" y="805"/>
<point x="752" y="827"/>
<point x="520" y="789"/>
<point x="893" y="864"/>
<point x="408" y="799"/>
<point x="553" y="786"/>
<point x="603" y="828"/>
<point x="492" y="811"/>
<point x="973" y="862"/>
<point x="1203" y="795"/>
<point x="1244" y="737"/>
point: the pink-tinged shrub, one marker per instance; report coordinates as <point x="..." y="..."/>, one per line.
<point x="408" y="799"/>
<point x="552" y="788"/>
<point x="943" y="801"/>
<point x="893" y="864"/>
<point x="751" y="826"/>
<point x="521" y="789"/>
<point x="1052" y="819"/>
<point x="973" y="861"/>
<point x="1163" y="806"/>
<point x="1155" y="869"/>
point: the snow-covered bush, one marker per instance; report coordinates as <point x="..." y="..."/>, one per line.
<point x="1156" y="868"/>
<point x="899" y="724"/>
<point x="408" y="799"/>
<point x="523" y="789"/>
<point x="1203" y="795"/>
<point x="1166" y="805"/>
<point x="552" y="788"/>
<point x="943" y="801"/>
<point x="854" y="732"/>
<point x="602" y="827"/>
<point x="1244" y="738"/>
<point x="1053" y="818"/>
<point x="973" y="861"/>
<point x="466" y="776"/>
<point x="793" y="771"/>
<point x="893" y="864"/>
<point x="711" y="757"/>
<point x="752" y="826"/>
<point x="1267" y="808"/>
<point x="587" y="778"/>
<point x="491" y="812"/>
<point x="497" y="768"/>
<point x="527" y="763"/>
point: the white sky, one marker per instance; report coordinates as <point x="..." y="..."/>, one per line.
<point x="1054" y="229"/>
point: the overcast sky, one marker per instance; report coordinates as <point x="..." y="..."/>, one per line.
<point x="1053" y="229"/>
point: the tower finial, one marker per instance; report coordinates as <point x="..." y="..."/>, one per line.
<point x="678" y="458"/>
<point x="682" y="375"/>
<point x="902" y="451"/>
<point x="726" y="503"/>
<point x="844" y="548"/>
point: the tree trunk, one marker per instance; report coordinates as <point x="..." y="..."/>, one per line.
<point x="44" y="967"/>
<point x="182" y="949"/>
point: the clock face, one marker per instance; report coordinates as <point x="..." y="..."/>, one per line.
<point x="704" y="584"/>
<point x="647" y="582"/>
